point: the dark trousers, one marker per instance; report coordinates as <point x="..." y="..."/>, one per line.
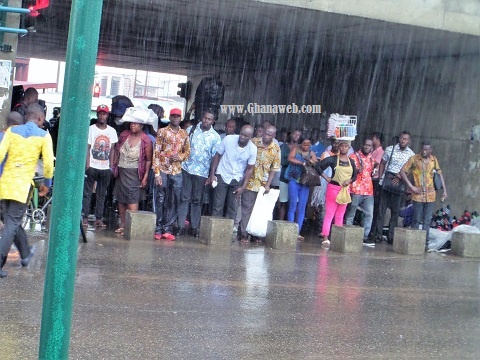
<point x="391" y="201"/>
<point x="192" y="195"/>
<point x="422" y="215"/>
<point x="102" y="177"/>
<point x="223" y="196"/>
<point x="13" y="231"/>
<point x="248" y="202"/>
<point x="167" y="215"/>
<point x="377" y="194"/>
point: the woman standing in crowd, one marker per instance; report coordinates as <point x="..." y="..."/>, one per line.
<point x="132" y="159"/>
<point x="343" y="174"/>
<point x="297" y="192"/>
<point x="285" y="149"/>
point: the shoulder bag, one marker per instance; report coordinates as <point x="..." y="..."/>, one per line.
<point x="309" y="176"/>
<point x="388" y="185"/>
<point x="437" y="179"/>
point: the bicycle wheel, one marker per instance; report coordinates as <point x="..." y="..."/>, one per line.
<point x="27" y="217"/>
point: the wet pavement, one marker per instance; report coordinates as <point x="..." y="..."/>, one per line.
<point x="184" y="300"/>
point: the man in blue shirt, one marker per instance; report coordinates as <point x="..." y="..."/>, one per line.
<point x="204" y="141"/>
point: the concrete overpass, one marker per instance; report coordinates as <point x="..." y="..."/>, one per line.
<point x="398" y="65"/>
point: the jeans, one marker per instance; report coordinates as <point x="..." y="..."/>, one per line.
<point x="102" y="177"/>
<point x="297" y="198"/>
<point x="173" y="185"/>
<point x="13" y="231"/>
<point x="333" y="210"/>
<point x="223" y="196"/>
<point x="392" y="201"/>
<point x="422" y="214"/>
<point x="192" y="194"/>
<point x="366" y="202"/>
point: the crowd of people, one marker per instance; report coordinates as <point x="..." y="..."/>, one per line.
<point x="190" y="170"/>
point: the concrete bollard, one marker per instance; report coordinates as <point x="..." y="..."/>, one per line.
<point x="282" y="235"/>
<point x="466" y="245"/>
<point x="216" y="231"/>
<point x="408" y="241"/>
<point x="346" y="239"/>
<point x="139" y="225"/>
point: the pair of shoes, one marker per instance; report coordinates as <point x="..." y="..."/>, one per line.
<point x="390" y="241"/>
<point x="158" y="236"/>
<point x="168" y="236"/>
<point x="300" y="238"/>
<point x="29" y="257"/>
<point x="120" y="231"/>
<point x="3" y="273"/>
<point x="180" y="232"/>
<point x="100" y="223"/>
<point x="195" y="233"/>
<point x="326" y="243"/>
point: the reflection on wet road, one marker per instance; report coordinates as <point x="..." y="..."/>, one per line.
<point x="179" y="300"/>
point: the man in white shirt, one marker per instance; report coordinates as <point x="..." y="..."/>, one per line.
<point x="101" y="139"/>
<point x="232" y="168"/>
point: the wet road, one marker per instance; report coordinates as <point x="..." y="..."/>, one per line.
<point x="184" y="300"/>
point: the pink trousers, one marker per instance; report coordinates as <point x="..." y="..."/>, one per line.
<point x="333" y="210"/>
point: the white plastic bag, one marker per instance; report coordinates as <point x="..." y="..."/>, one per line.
<point x="140" y="115"/>
<point x="437" y="238"/>
<point x="262" y="212"/>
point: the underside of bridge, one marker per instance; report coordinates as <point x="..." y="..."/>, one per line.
<point x="392" y="76"/>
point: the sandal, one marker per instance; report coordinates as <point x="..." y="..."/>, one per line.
<point x="120" y="230"/>
<point x="244" y="240"/>
<point x="100" y="223"/>
<point x="300" y="238"/>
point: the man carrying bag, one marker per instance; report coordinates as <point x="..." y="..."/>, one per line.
<point x="392" y="162"/>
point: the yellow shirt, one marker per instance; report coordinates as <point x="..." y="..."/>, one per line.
<point x="23" y="145"/>
<point x="268" y="159"/>
<point x="422" y="172"/>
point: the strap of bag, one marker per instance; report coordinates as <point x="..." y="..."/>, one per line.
<point x="390" y="158"/>
<point x="360" y="161"/>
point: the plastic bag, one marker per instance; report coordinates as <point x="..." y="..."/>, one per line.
<point x="437" y="238"/>
<point x="139" y="115"/>
<point x="343" y="196"/>
<point x="262" y="212"/>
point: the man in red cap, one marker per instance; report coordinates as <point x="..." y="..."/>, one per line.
<point x="101" y="139"/>
<point x="172" y="147"/>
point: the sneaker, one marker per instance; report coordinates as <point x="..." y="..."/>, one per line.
<point x="168" y="237"/>
<point x="158" y="236"/>
<point x="195" y="233"/>
<point x="27" y="260"/>
<point x="3" y="273"/>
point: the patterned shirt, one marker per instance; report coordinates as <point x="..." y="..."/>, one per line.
<point x="169" y="143"/>
<point x="363" y="185"/>
<point x="399" y="158"/>
<point x="423" y="176"/>
<point x="268" y="159"/>
<point x="203" y="146"/>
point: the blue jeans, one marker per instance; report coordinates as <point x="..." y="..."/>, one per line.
<point x="366" y="202"/>
<point x="297" y="192"/>
<point x="422" y="215"/>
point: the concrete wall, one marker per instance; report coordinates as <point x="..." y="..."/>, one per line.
<point x="435" y="98"/>
<point x="451" y="15"/>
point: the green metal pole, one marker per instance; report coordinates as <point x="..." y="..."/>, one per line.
<point x="81" y="57"/>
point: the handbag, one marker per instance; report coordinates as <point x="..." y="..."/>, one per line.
<point x="309" y="176"/>
<point x="437" y="179"/>
<point x="388" y="185"/>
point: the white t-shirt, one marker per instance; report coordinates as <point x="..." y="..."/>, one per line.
<point x="100" y="142"/>
<point x="235" y="158"/>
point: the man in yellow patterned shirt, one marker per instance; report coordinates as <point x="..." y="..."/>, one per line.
<point x="422" y="167"/>
<point x="24" y="145"/>
<point x="267" y="164"/>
